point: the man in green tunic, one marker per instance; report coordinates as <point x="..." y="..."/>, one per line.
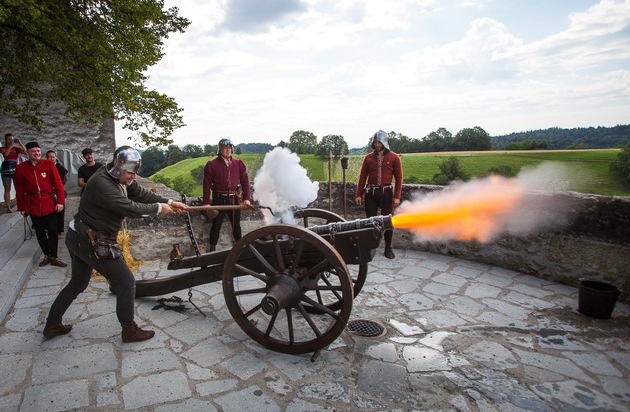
<point x="111" y="194"/>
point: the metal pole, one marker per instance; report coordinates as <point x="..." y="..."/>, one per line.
<point x="344" y="166"/>
<point x="330" y="180"/>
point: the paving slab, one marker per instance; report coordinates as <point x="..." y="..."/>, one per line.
<point x="458" y="336"/>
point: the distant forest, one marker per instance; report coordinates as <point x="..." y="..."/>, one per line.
<point x="557" y="138"/>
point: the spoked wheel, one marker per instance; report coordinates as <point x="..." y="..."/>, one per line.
<point x="313" y="217"/>
<point x="272" y="274"/>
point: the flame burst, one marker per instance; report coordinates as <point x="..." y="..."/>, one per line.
<point x="475" y="210"/>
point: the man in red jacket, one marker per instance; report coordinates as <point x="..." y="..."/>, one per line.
<point x="378" y="170"/>
<point x="225" y="178"/>
<point x="36" y="184"/>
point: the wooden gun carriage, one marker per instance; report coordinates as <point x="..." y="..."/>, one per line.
<point x="288" y="287"/>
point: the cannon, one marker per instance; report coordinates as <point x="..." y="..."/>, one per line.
<point x="288" y="287"/>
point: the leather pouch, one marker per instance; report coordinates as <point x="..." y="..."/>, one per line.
<point x="105" y="246"/>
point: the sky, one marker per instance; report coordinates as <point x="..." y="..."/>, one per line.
<point x="255" y="71"/>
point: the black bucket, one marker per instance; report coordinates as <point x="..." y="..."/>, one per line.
<point x="597" y="299"/>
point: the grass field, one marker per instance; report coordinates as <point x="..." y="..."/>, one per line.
<point x="585" y="171"/>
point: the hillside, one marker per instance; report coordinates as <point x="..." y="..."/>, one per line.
<point x="578" y="138"/>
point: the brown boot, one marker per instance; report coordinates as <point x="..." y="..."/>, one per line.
<point x="55" y="329"/>
<point x="135" y="334"/>
<point x="55" y="261"/>
<point x="44" y="262"/>
<point x="389" y="253"/>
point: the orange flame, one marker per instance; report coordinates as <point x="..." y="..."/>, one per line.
<point x="474" y="210"/>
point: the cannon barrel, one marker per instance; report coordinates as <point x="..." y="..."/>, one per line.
<point x="377" y="222"/>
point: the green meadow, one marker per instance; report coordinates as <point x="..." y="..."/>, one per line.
<point x="585" y="171"/>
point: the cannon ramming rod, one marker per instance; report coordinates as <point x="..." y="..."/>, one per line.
<point x="204" y="208"/>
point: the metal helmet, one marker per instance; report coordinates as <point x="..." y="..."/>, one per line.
<point x="126" y="158"/>
<point x="223" y="143"/>
<point x="382" y="137"/>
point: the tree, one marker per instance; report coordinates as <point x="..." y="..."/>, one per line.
<point x="303" y="142"/>
<point x="209" y="149"/>
<point x="91" y="55"/>
<point x="175" y="155"/>
<point x="192" y="150"/>
<point x="440" y="140"/>
<point x="153" y="159"/>
<point x="398" y="142"/>
<point x="337" y="144"/>
<point x="472" y="139"/>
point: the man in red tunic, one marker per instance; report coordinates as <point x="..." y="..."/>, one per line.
<point x="226" y="178"/>
<point x="39" y="194"/>
<point x="375" y="182"/>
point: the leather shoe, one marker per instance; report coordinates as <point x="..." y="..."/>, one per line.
<point x="55" y="329"/>
<point x="389" y="253"/>
<point x="135" y="334"/>
<point x="44" y="262"/>
<point x="55" y="261"/>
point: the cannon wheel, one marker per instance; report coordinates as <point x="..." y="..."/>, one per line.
<point x="292" y="329"/>
<point x="312" y="217"/>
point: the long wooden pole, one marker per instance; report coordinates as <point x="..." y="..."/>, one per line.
<point x="204" y="208"/>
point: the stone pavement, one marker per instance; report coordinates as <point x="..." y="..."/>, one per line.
<point x="460" y="336"/>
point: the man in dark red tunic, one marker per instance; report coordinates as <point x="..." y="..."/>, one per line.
<point x="378" y="170"/>
<point x="225" y="180"/>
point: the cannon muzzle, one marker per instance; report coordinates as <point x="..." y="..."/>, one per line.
<point x="381" y="223"/>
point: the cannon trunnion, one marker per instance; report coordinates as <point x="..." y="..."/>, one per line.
<point x="288" y="287"/>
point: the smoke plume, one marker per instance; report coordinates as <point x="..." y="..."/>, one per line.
<point x="282" y="183"/>
<point x="484" y="208"/>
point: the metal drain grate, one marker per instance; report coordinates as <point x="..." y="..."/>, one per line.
<point x="365" y="328"/>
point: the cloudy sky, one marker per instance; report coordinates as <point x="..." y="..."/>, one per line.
<point x="257" y="70"/>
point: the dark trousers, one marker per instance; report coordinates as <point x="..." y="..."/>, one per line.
<point x="234" y="217"/>
<point x="46" y="232"/>
<point x="116" y="271"/>
<point x="61" y="216"/>
<point x="380" y="198"/>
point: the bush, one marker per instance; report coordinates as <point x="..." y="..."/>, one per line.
<point x="197" y="174"/>
<point x="183" y="186"/>
<point x="502" y="170"/>
<point x="164" y="180"/>
<point x="450" y="170"/>
<point x="621" y="167"/>
<point x="411" y="180"/>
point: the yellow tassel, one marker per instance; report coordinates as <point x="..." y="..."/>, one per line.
<point x="124" y="240"/>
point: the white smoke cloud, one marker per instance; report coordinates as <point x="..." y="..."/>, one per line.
<point x="282" y="183"/>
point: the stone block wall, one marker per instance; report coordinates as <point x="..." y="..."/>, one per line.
<point x="60" y="132"/>
<point x="592" y="241"/>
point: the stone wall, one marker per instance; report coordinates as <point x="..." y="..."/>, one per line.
<point x="60" y="132"/>
<point x="590" y="237"/>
